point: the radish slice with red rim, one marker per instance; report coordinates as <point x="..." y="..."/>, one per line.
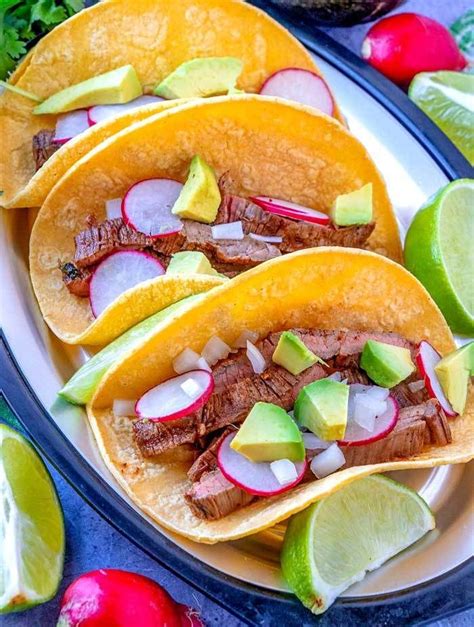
<point x="176" y="397"/>
<point x="300" y="86"/>
<point x="118" y="273"/>
<point x="69" y="125"/>
<point x="253" y="477"/>
<point x="427" y="357"/>
<point x="356" y="435"/>
<point x="99" y="113"/>
<point x="147" y="206"/>
<point x="291" y="210"/>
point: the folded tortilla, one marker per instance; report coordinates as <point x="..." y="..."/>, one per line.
<point x="327" y="288"/>
<point x="268" y="146"/>
<point x="155" y="36"/>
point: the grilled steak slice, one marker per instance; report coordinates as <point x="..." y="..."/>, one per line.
<point x="75" y="279"/>
<point x="406" y="396"/>
<point x="207" y="461"/>
<point x="43" y="147"/>
<point x="295" y="234"/>
<point x="155" y="437"/>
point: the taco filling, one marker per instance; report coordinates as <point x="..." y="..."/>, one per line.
<point x="294" y="406"/>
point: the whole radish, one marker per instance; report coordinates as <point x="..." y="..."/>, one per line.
<point x="117" y="598"/>
<point x="403" y="45"/>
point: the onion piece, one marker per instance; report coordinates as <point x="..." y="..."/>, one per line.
<point x="284" y="470"/>
<point x="113" y="208"/>
<point x="416" y="386"/>
<point x="313" y="443"/>
<point x="335" y="376"/>
<point x="123" y="408"/>
<point x="328" y="461"/>
<point x="229" y="230"/>
<point x="191" y="388"/>
<point x="366" y="409"/>
<point x="186" y="361"/>
<point x="215" y="350"/>
<point x="203" y="365"/>
<point x="377" y="393"/>
<point x="269" y="239"/>
<point x="247" y="334"/>
<point x="256" y="358"/>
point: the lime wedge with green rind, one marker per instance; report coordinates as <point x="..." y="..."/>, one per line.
<point x="81" y="386"/>
<point x="448" y="99"/>
<point x="439" y="251"/>
<point x="32" y="528"/>
<point x="334" y="542"/>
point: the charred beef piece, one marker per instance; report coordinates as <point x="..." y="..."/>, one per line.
<point x="75" y="279"/>
<point x="207" y="461"/>
<point x="43" y="147"/>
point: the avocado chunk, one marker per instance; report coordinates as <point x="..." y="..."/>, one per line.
<point x="200" y="197"/>
<point x="293" y="354"/>
<point x="190" y="262"/>
<point x="115" y="87"/>
<point x="385" y="364"/>
<point x="199" y="78"/>
<point x="354" y="207"/>
<point x="322" y="408"/>
<point x="453" y="372"/>
<point x="267" y="434"/>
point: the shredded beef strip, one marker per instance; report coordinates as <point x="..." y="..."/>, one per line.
<point x="76" y="280"/>
<point x="207" y="461"/>
<point x="43" y="147"/>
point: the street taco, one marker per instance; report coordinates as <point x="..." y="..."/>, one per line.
<point x="339" y="304"/>
<point x="201" y="178"/>
<point x="145" y="42"/>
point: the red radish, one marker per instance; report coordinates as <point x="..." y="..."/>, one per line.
<point x="189" y="617"/>
<point x="176" y="397"/>
<point x="119" y="598"/>
<point x="291" y="210"/>
<point x="118" y="273"/>
<point x="147" y="207"/>
<point x="69" y="125"/>
<point x="356" y="435"/>
<point x="427" y="358"/>
<point x="99" y="113"/>
<point x="403" y="45"/>
<point x="300" y="86"/>
<point x="253" y="477"/>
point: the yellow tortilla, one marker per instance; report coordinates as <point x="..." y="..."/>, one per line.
<point x="155" y="36"/>
<point x="326" y="288"/>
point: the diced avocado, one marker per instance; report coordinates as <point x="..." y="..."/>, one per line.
<point x="385" y="364"/>
<point x="200" y="197"/>
<point x="115" y="87"/>
<point x="322" y="408"/>
<point x="267" y="434"/>
<point x="354" y="207"/>
<point x="292" y="354"/>
<point x="190" y="262"/>
<point x="199" y="78"/>
<point x="453" y="373"/>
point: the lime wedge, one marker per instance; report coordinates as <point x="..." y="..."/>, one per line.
<point x="81" y="386"/>
<point x="32" y="528"/>
<point x="334" y="542"/>
<point x="448" y="99"/>
<point x="439" y="251"/>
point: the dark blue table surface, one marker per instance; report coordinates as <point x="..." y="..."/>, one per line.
<point x="92" y="543"/>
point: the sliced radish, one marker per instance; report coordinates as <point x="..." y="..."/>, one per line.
<point x="176" y="397"/>
<point x="118" y="273"/>
<point x="427" y="358"/>
<point x="147" y="207"/>
<point x="113" y="208"/>
<point x="253" y="477"/>
<point x="356" y="435"/>
<point x="301" y="86"/>
<point x="313" y="443"/>
<point x="69" y="125"/>
<point x="99" y="113"/>
<point x="291" y="210"/>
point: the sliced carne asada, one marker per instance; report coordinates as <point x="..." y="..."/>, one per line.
<point x="76" y="280"/>
<point x="43" y="147"/>
<point x="207" y="460"/>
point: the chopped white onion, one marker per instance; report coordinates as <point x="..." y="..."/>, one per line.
<point x="335" y="376"/>
<point x="269" y="239"/>
<point x="191" y="388"/>
<point x="378" y="393"/>
<point x="228" y="230"/>
<point x="215" y="350"/>
<point x="284" y="471"/>
<point x="416" y="386"/>
<point x="256" y="358"/>
<point x="312" y="442"/>
<point x="186" y="361"/>
<point x="203" y="365"/>
<point x="241" y="341"/>
<point x="366" y="402"/>
<point x="328" y="461"/>
<point x="123" y="408"/>
<point x="113" y="208"/>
